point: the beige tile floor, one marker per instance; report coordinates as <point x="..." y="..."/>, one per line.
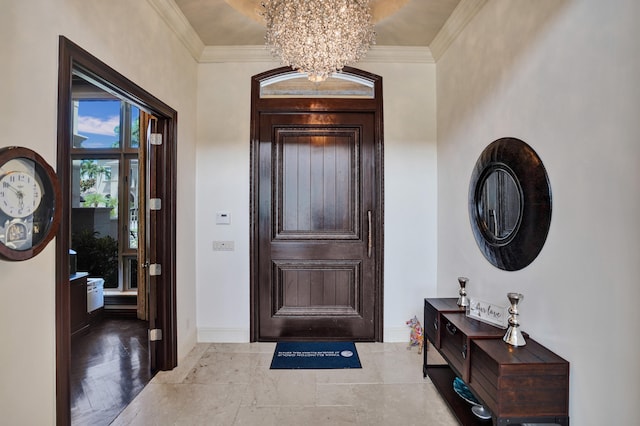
<point x="231" y="384"/>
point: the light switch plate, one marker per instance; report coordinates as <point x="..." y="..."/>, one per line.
<point x="223" y="246"/>
<point x="223" y="218"/>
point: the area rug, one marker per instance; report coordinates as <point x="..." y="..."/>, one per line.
<point x="315" y="355"/>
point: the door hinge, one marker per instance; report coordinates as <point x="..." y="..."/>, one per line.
<point x="155" y="139"/>
<point x="155" y="203"/>
<point x="155" y="269"/>
<point x="155" y="334"/>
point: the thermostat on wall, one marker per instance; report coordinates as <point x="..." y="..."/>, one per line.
<point x="223" y="218"/>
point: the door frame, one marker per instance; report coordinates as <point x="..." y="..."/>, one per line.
<point x="308" y="105"/>
<point x="72" y="57"/>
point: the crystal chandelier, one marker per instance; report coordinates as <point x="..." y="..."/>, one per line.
<point x="318" y="37"/>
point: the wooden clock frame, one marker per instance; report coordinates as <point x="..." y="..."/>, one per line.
<point x="48" y="212"/>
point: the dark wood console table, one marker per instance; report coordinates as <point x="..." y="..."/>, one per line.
<point x="79" y="319"/>
<point x="526" y="384"/>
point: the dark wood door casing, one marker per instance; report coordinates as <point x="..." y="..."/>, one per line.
<point x="161" y="248"/>
<point x="73" y="58"/>
<point x="312" y="252"/>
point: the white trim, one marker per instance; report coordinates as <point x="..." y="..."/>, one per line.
<point x="175" y="19"/>
<point x="241" y="335"/>
<point x="460" y="17"/>
<point x="221" y="54"/>
<point x="397" y="334"/>
<point x="260" y="53"/>
<point x="401" y="54"/>
<point x="223" y="335"/>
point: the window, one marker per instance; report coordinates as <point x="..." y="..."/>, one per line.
<point x="297" y="85"/>
<point x="104" y="184"/>
<point x="96" y="123"/>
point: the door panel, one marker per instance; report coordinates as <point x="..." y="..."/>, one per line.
<point x="318" y="288"/>
<point x="146" y="121"/>
<point x="161" y="304"/>
<point x="317" y="184"/>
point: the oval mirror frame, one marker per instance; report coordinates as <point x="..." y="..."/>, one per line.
<point x="525" y="241"/>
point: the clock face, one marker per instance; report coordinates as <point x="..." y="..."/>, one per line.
<point x="20" y="194"/>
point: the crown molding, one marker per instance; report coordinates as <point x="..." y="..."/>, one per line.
<point x="402" y="54"/>
<point x="462" y="14"/>
<point x="218" y="54"/>
<point x="378" y="54"/>
<point x="175" y="19"/>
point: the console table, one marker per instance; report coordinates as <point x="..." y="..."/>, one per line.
<point x="79" y="319"/>
<point x="526" y="384"/>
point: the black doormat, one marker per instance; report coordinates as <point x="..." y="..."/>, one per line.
<point x="315" y="355"/>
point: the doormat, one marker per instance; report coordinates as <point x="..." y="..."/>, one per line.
<point x="315" y="355"/>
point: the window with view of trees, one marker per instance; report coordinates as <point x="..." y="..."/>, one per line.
<point x="104" y="180"/>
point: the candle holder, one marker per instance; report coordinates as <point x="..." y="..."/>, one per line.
<point x="463" y="300"/>
<point x="513" y="336"/>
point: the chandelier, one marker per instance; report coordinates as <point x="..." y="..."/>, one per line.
<point x="318" y="37"/>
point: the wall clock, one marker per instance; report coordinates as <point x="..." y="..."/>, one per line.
<point x="29" y="197"/>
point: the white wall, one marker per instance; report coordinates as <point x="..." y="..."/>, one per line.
<point x="410" y="185"/>
<point x="130" y="37"/>
<point x="563" y="76"/>
<point x="222" y="164"/>
<point x="223" y="156"/>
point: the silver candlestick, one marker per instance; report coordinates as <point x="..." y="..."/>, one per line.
<point x="463" y="300"/>
<point x="513" y="336"/>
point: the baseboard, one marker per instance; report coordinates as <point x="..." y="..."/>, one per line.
<point x="223" y="335"/>
<point x="397" y="334"/>
<point x="241" y="335"/>
<point x="120" y="312"/>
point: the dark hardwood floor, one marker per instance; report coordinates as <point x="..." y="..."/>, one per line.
<point x="109" y="367"/>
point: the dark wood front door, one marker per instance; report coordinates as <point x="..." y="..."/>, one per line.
<point x="318" y="231"/>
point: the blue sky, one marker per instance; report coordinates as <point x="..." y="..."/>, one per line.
<point x="97" y="121"/>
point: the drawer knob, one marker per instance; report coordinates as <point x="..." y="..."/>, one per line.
<point x="464" y="351"/>
<point x="435" y="324"/>
<point x="451" y="328"/>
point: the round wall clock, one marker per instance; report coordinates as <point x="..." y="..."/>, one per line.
<point x="29" y="197"/>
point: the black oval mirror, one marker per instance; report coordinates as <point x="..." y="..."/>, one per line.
<point x="510" y="204"/>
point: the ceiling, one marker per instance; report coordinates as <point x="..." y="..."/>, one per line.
<point x="236" y="22"/>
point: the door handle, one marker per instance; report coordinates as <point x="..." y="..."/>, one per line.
<point x="370" y="236"/>
<point x="451" y="329"/>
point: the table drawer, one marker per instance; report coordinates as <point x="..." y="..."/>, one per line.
<point x="431" y="324"/>
<point x="454" y="347"/>
<point x="456" y="332"/>
<point x="433" y="310"/>
<point x="521" y="381"/>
